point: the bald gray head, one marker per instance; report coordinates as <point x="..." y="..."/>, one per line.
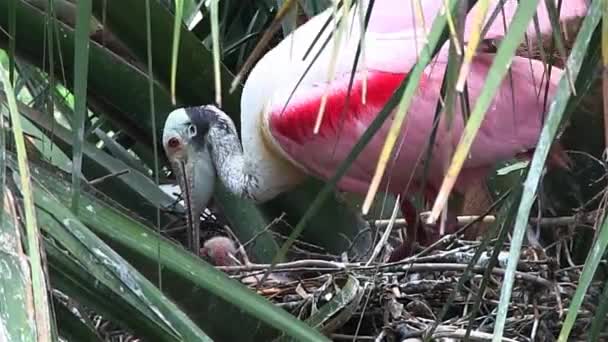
<point x="188" y="127"/>
<point x="202" y="142"/>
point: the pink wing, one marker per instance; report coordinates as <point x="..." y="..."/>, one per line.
<point x="511" y="126"/>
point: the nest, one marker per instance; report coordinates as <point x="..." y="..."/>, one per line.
<point x="446" y="291"/>
<point x="417" y="297"/>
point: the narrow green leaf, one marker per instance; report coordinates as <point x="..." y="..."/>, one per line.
<point x="50" y="44"/>
<point x="557" y="37"/>
<point x="156" y="168"/>
<point x="177" y="25"/>
<point x="600" y="316"/>
<point x="289" y="24"/>
<point x="81" y="71"/>
<point x="215" y="38"/>
<point x="39" y="286"/>
<point x="554" y="118"/>
<point x="12" y="32"/>
<point x="593" y="260"/>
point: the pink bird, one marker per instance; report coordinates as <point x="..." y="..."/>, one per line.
<point x="220" y="250"/>
<point x="283" y="94"/>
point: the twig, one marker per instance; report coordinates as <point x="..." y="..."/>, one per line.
<point x="323" y="264"/>
<point x="460" y="333"/>
<point x="111" y="175"/>
<point x="268" y="226"/>
<point x="329" y="266"/>
<point x="467" y="219"/>
<point x="241" y="248"/>
<point x="434" y="267"/>
<point x="385" y="235"/>
<point x="352" y="337"/>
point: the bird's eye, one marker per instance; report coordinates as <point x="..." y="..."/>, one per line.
<point x="192" y="130"/>
<point x="173" y="143"/>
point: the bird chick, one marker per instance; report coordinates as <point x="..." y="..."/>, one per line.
<point x="220" y="251"/>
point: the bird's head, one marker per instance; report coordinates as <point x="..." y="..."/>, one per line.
<point x="221" y="251"/>
<point x="185" y="141"/>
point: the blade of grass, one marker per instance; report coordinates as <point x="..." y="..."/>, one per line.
<point x="591" y="264"/>
<point x="39" y="285"/>
<point x="548" y="133"/>
<point x="119" y="152"/>
<point x="557" y="38"/>
<point x="290" y="24"/>
<point x="338" y="31"/>
<point x="81" y="70"/>
<point x="50" y="45"/>
<point x="215" y="38"/>
<point x="473" y="43"/>
<point x="605" y="69"/>
<point x="154" y="131"/>
<point x="453" y="31"/>
<point x="499" y="69"/>
<point x="600" y="316"/>
<point x="177" y="24"/>
<point x="12" y="36"/>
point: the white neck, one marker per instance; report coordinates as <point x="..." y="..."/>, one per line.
<point x="231" y="164"/>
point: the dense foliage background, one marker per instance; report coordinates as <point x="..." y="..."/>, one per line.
<point x="91" y="246"/>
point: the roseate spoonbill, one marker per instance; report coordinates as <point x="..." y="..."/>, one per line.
<point x="279" y="146"/>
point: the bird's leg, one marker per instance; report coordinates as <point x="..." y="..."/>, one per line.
<point x="419" y="233"/>
<point x="413" y="225"/>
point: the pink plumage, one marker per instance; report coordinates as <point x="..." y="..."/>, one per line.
<point x="511" y="127"/>
<point x="220" y="250"/>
